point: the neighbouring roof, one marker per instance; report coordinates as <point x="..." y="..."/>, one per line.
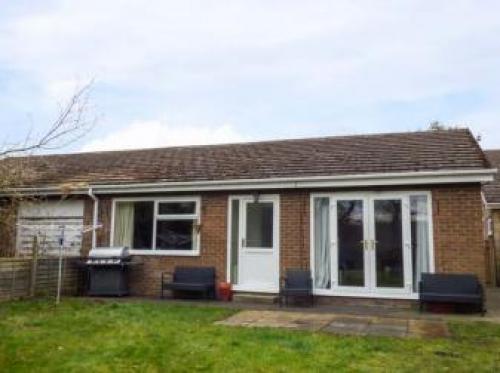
<point x="492" y="190"/>
<point x="326" y="156"/>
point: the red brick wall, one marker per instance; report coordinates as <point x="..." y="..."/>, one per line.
<point x="458" y="235"/>
<point x="458" y="230"/>
<point x="294" y="230"/>
<point x="145" y="278"/>
<point x="457" y="222"/>
<point x="495" y="245"/>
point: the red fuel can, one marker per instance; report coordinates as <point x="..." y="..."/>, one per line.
<point x="225" y="291"/>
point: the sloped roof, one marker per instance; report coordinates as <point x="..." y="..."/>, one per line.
<point x="492" y="190"/>
<point x="325" y="156"/>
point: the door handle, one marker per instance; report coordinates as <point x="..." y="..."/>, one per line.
<point x="366" y="244"/>
<point x="243" y="242"/>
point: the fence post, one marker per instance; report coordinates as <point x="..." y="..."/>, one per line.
<point x="59" y="272"/>
<point x="34" y="265"/>
<point x="13" y="283"/>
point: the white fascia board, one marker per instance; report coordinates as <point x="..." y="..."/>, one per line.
<point x="338" y="181"/>
<point x="380" y="179"/>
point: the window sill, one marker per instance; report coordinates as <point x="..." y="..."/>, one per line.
<point x="164" y="253"/>
<point x="356" y="294"/>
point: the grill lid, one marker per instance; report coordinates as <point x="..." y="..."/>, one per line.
<point x="109" y="252"/>
<point x="108" y="255"/>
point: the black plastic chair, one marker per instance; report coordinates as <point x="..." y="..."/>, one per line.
<point x="297" y="283"/>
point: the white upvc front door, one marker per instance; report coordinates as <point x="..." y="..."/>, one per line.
<point x="255" y="257"/>
<point x="370" y="246"/>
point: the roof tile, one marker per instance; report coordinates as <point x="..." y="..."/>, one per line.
<point x="327" y="156"/>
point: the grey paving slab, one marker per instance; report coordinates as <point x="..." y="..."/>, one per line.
<point x="339" y="324"/>
<point x="347" y="328"/>
<point x="387" y="330"/>
<point x="312" y="322"/>
<point x="351" y="319"/>
<point x="387" y="321"/>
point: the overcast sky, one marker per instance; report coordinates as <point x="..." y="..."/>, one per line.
<point x="191" y="72"/>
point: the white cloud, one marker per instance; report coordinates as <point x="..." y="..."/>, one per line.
<point x="241" y="59"/>
<point x="154" y="133"/>
<point x="355" y="50"/>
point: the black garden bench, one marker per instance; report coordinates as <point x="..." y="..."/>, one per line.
<point x="190" y="279"/>
<point x="451" y="288"/>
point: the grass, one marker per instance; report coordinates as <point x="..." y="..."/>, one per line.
<point x="89" y="336"/>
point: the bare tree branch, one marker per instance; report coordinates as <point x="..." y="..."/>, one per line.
<point x="72" y="122"/>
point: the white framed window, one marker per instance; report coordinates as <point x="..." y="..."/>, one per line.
<point x="157" y="226"/>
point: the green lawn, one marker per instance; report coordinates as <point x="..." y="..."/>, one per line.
<point x="92" y="336"/>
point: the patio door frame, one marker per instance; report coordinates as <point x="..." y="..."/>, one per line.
<point x="334" y="244"/>
<point x="370" y="289"/>
<point x="272" y="254"/>
<point x="406" y="289"/>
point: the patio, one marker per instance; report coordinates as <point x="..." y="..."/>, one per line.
<point x="265" y="303"/>
<point x="340" y="319"/>
<point x="359" y="320"/>
<point x="340" y="324"/>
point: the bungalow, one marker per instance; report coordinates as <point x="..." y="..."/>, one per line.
<point x="492" y="203"/>
<point x="367" y="214"/>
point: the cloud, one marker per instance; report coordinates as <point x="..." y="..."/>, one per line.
<point x="355" y="50"/>
<point x="154" y="133"/>
<point x="265" y="65"/>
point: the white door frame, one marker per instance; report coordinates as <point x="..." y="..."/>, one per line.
<point x="273" y="253"/>
<point x="406" y="244"/>
<point x="370" y="290"/>
<point x="334" y="246"/>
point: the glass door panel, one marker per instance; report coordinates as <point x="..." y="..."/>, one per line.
<point x="388" y="243"/>
<point x="259" y="225"/>
<point x="351" y="243"/>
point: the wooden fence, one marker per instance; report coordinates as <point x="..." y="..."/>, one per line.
<point x="25" y="277"/>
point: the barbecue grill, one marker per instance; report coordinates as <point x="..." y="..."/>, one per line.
<point x="107" y="271"/>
